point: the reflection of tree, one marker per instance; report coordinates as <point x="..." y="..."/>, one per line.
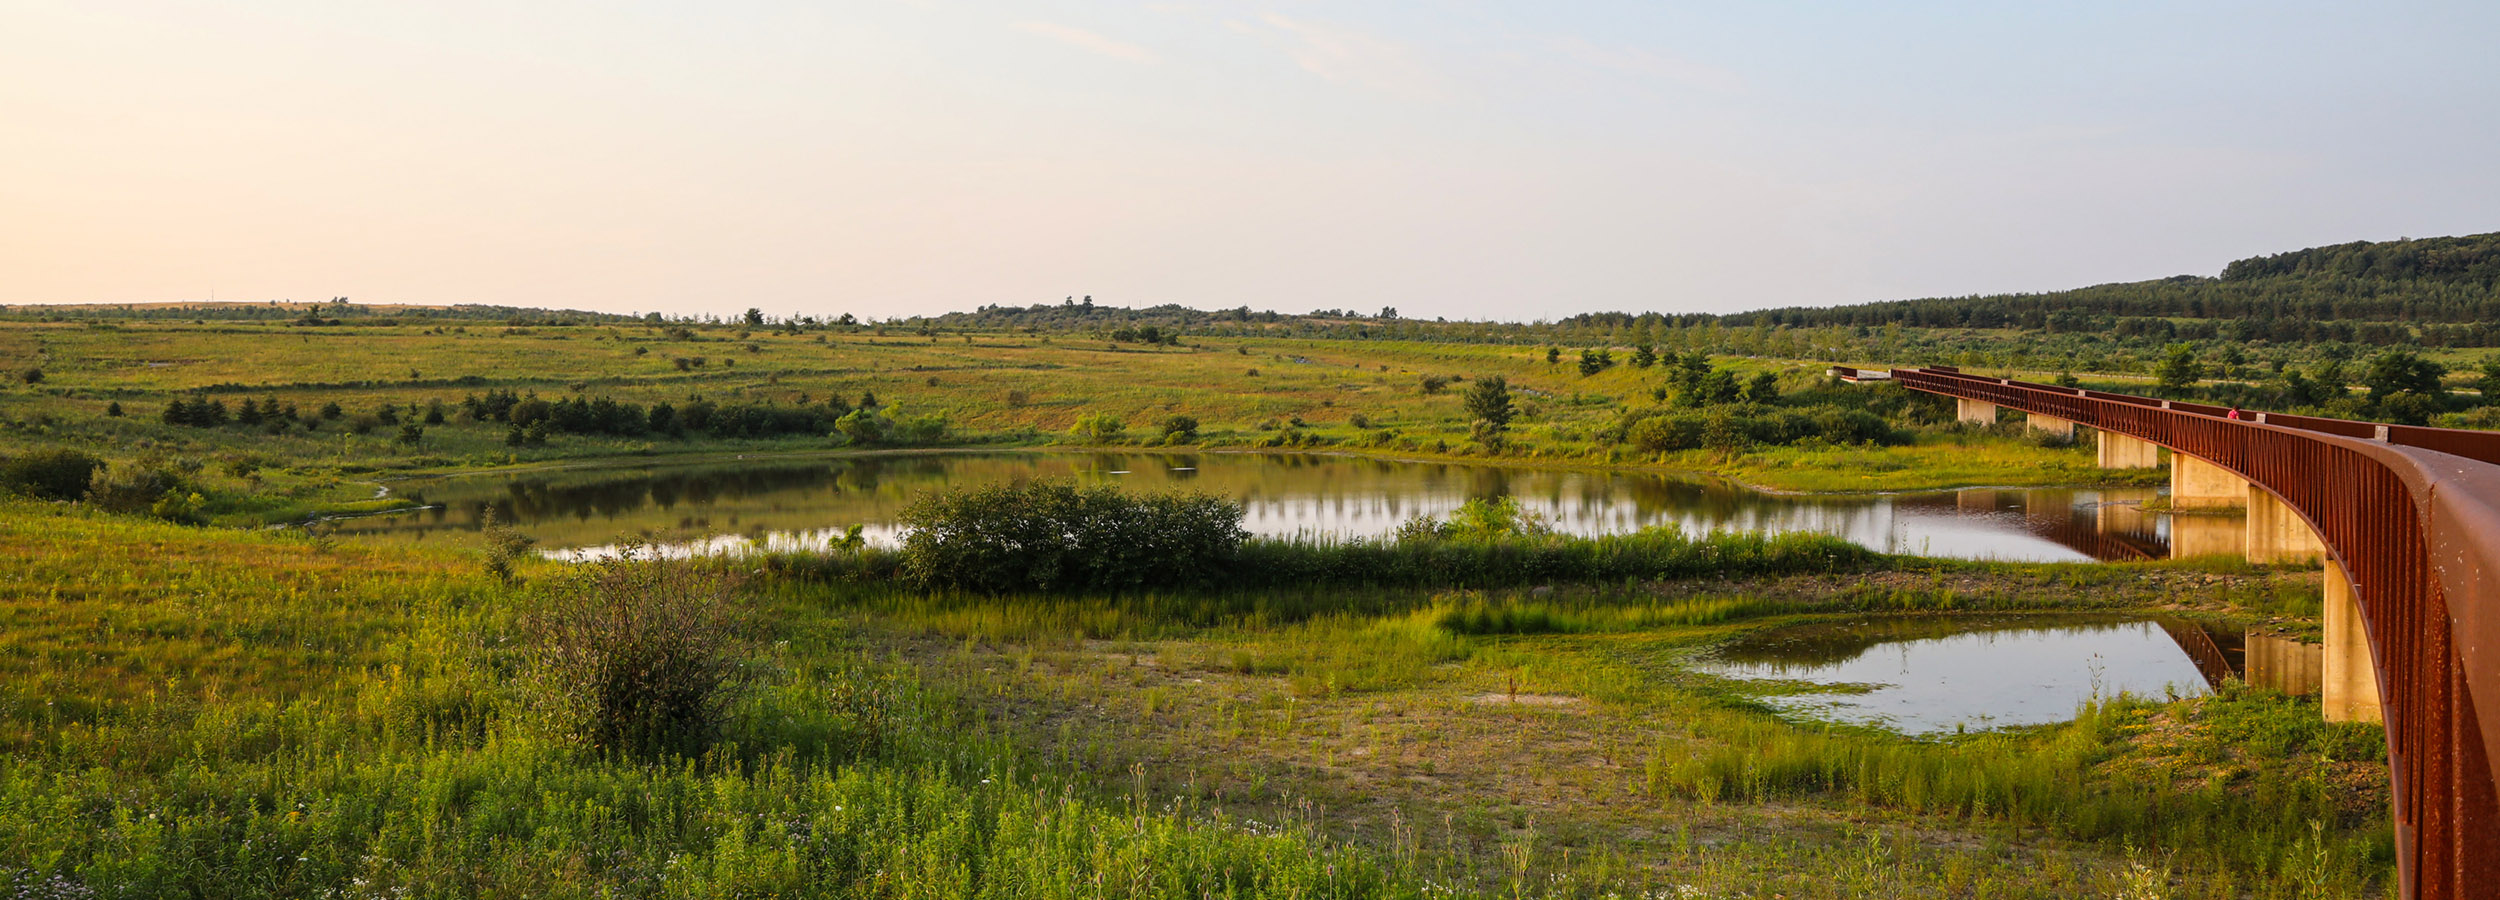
<point x="584" y="507"/>
<point x="1821" y="644"/>
<point x="1486" y="483"/>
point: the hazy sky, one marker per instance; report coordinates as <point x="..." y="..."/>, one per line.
<point x="1460" y="159"/>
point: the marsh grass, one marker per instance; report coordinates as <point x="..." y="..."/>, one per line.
<point x="259" y="716"/>
<point x="1299" y="566"/>
<point x="2040" y="781"/>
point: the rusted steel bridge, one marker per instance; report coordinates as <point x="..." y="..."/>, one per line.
<point x="2406" y="521"/>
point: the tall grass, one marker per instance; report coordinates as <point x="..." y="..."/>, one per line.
<point x="2279" y="819"/>
<point x="372" y="742"/>
<point x="1508" y="561"/>
<point x="1305" y="563"/>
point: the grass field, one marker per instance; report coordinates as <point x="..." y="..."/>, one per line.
<point x="229" y="711"/>
<point x="990" y="389"/>
<point x="193" y="711"/>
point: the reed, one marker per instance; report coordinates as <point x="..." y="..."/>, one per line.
<point x="1325" y="562"/>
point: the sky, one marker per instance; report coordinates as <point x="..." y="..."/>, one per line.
<point x="1457" y="159"/>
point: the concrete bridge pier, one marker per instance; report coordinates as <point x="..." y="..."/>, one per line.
<point x="1976" y="412"/>
<point x="2197" y="484"/>
<point x="2276" y="534"/>
<point x="2118" y="451"/>
<point x="2051" y="424"/>
<point x="2348" y="683"/>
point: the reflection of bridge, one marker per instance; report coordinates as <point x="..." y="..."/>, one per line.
<point x="2101" y="530"/>
<point x="2407" y="523"/>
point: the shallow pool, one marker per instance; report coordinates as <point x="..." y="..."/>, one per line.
<point x="1928" y="675"/>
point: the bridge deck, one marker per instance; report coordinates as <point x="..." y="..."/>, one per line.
<point x="2412" y="515"/>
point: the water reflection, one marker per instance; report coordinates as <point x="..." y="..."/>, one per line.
<point x="1926" y="675"/>
<point x="798" y="503"/>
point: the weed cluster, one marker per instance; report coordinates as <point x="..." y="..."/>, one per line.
<point x="638" y="657"/>
<point x="1049" y="536"/>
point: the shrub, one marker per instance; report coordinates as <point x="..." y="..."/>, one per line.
<point x="638" y="657"/>
<point x="1681" y="431"/>
<point x="1434" y="384"/>
<point x="862" y="426"/>
<point x="187" y="508"/>
<point x="1180" y="430"/>
<point x="133" y="488"/>
<point x="32" y="375"/>
<point x="504" y="546"/>
<point x="1097" y="428"/>
<point x="50" y="474"/>
<point x="1058" y="537"/>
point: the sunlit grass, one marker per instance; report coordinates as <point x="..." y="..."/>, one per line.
<point x="1010" y="389"/>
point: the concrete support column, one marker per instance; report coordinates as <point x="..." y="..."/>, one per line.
<point x="2278" y="535"/>
<point x="2348" y="683"/>
<point x="2051" y="424"/>
<point x="1976" y="412"/>
<point x="2119" y="451"/>
<point x="2197" y="484"/>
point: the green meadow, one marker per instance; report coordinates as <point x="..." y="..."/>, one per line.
<point x="355" y="390"/>
<point x="194" y="703"/>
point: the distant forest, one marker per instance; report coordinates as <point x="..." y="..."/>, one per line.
<point x="2447" y="288"/>
<point x="2432" y="292"/>
<point x="2429" y="293"/>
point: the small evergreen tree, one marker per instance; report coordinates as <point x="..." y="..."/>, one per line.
<point x="1488" y="401"/>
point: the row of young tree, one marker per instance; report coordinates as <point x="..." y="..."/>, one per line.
<point x="2398" y="386"/>
<point x="531" y="419"/>
<point x="1709" y="406"/>
<point x="199" y="412"/>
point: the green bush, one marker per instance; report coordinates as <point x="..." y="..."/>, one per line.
<point x="151" y="487"/>
<point x="187" y="508"/>
<point x="1097" y="428"/>
<point x="50" y="474"/>
<point x="639" y="657"/>
<point x="1678" y="431"/>
<point x="1728" y="427"/>
<point x="1043" y="536"/>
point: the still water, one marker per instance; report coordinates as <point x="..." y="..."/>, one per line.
<point x="787" y="503"/>
<point x="1928" y="675"/>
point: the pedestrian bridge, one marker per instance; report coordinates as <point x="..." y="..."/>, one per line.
<point x="2406" y="522"/>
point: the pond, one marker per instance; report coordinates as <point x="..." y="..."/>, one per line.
<point x="1937" y="674"/>
<point x="794" y="503"/>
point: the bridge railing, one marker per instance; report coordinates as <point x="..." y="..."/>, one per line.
<point x="2412" y="515"/>
<point x="2483" y="446"/>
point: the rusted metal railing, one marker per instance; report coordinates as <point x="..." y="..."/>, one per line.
<point x="2413" y="516"/>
